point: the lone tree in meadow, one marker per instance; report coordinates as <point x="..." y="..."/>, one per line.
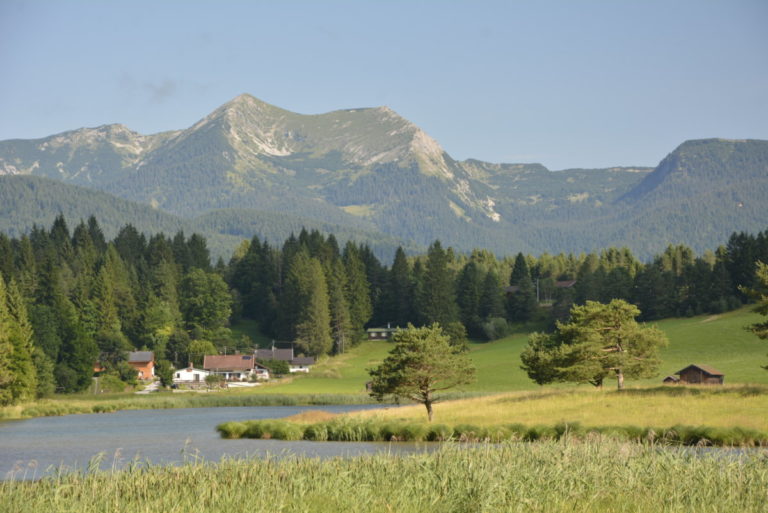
<point x="422" y="363"/>
<point x="600" y="340"/>
<point x="761" y="296"/>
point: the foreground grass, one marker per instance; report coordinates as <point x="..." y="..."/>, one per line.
<point x="599" y="476"/>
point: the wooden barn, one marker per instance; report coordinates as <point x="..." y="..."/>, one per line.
<point x="697" y="374"/>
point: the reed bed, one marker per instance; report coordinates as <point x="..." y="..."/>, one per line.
<point x="70" y="406"/>
<point x="550" y="477"/>
<point x="345" y="428"/>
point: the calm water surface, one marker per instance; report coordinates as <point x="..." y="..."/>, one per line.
<point x="34" y="447"/>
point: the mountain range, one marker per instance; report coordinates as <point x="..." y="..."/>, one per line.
<point x="253" y="168"/>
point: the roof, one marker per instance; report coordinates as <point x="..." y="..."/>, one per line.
<point x="285" y="355"/>
<point x="671" y="378"/>
<point x="141" y="356"/>
<point x="303" y="360"/>
<point x="228" y="362"/>
<point x="705" y="368"/>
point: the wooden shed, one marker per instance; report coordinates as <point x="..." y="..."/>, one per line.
<point x="698" y="374"/>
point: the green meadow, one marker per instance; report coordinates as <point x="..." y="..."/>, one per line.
<point x="719" y="341"/>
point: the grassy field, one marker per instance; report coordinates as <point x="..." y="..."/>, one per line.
<point x="731" y="406"/>
<point x="720" y="341"/>
<point x="551" y="477"/>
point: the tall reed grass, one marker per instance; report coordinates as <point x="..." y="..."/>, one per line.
<point x="552" y="477"/>
<point x="69" y="406"/>
<point x="346" y="428"/>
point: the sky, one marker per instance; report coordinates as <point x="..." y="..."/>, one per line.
<point x="564" y="83"/>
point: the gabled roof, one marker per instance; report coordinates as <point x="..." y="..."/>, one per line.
<point x="704" y="368"/>
<point x="141" y="356"/>
<point x="228" y="362"/>
<point x="285" y="355"/>
<point x="302" y="360"/>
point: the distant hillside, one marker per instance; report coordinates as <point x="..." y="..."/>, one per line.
<point x="372" y="173"/>
<point x="26" y="201"/>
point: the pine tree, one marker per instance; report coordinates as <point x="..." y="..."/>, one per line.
<point x="358" y="290"/>
<point x="399" y="292"/>
<point x="341" y="321"/>
<point x="24" y="385"/>
<point x="469" y="293"/>
<point x="313" y="330"/>
<point x="521" y="301"/>
<point x="436" y="296"/>
<point x="492" y="297"/>
<point x="7" y="375"/>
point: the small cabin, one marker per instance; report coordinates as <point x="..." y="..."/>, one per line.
<point x="698" y="374"/>
<point x="381" y="333"/>
<point x="671" y="380"/>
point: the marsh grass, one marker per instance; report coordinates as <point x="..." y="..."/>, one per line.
<point x="78" y="405"/>
<point x="723" y="416"/>
<point x="353" y="429"/>
<point x="596" y="476"/>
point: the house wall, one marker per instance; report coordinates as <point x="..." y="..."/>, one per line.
<point x="187" y="376"/>
<point x="146" y="370"/>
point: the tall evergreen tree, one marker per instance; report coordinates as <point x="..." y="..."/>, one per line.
<point x="399" y="292"/>
<point x="24" y="384"/>
<point x="358" y="290"/>
<point x="469" y="293"/>
<point x="341" y="320"/>
<point x="313" y="330"/>
<point x="436" y="296"/>
<point x="492" y="297"/>
<point x="521" y="300"/>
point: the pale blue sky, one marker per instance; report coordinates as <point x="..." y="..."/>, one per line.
<point x="565" y="83"/>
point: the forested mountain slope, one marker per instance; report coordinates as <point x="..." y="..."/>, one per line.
<point x="372" y="172"/>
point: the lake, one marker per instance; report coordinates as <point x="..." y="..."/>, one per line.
<point x="34" y="447"/>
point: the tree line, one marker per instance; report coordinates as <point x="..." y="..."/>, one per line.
<point x="71" y="297"/>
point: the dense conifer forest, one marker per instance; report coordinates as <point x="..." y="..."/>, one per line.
<point x="70" y="298"/>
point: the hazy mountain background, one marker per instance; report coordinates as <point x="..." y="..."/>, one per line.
<point x="370" y="175"/>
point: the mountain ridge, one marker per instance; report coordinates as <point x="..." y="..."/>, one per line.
<point x="374" y="171"/>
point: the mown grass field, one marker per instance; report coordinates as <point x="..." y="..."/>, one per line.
<point x="547" y="477"/>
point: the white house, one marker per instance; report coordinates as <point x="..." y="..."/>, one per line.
<point x="190" y="375"/>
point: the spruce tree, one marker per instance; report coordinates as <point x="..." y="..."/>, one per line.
<point x="436" y="297"/>
<point x="358" y="290"/>
<point x="313" y="330"/>
<point x="341" y="321"/>
<point x="24" y="385"/>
